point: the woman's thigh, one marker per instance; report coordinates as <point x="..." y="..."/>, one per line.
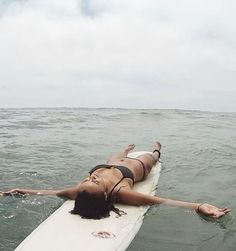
<point x="148" y="162"/>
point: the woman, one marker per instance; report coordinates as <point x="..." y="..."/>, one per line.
<point x="113" y="182"/>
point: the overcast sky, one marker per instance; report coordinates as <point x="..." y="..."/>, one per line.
<point x="118" y="53"/>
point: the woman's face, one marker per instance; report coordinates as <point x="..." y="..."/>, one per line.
<point x="93" y="183"/>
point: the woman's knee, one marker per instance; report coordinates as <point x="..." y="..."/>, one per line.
<point x="148" y="158"/>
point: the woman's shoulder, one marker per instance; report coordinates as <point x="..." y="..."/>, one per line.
<point x="123" y="186"/>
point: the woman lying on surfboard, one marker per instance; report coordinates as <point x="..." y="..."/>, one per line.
<point x="113" y="182"/>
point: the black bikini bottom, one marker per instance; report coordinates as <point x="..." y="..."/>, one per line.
<point x="143" y="166"/>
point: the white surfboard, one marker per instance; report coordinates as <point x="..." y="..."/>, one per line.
<point x="63" y="231"/>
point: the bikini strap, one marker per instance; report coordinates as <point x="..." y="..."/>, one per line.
<point x="110" y="194"/>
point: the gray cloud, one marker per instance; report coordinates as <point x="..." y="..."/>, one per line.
<point x="151" y="54"/>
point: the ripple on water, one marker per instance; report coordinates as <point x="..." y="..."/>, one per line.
<point x="30" y="201"/>
<point x="8" y="216"/>
<point x="29" y="173"/>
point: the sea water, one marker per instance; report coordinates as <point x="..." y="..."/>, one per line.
<point x="55" y="148"/>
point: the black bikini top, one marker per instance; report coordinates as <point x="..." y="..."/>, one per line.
<point x="123" y="169"/>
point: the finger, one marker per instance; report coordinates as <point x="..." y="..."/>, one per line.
<point x="210" y="214"/>
<point x="3" y="193"/>
<point x="227" y="210"/>
<point x="223" y="209"/>
<point x="218" y="215"/>
<point x="7" y="193"/>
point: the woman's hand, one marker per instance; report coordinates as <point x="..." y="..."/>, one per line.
<point x="13" y="191"/>
<point x="64" y="193"/>
<point x="212" y="211"/>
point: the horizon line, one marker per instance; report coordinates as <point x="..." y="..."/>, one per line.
<point x="106" y="108"/>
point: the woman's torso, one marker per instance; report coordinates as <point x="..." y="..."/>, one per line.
<point x="113" y="175"/>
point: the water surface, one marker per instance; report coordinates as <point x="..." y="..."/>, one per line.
<point x="55" y="148"/>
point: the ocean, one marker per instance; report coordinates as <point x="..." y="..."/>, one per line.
<point x="55" y="148"/>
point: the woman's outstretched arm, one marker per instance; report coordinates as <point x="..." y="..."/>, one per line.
<point x="69" y="193"/>
<point x="137" y="199"/>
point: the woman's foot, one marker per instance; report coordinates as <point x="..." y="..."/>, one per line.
<point x="157" y="151"/>
<point x="129" y="148"/>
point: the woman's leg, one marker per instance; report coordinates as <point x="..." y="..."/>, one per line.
<point x="149" y="160"/>
<point x="122" y="154"/>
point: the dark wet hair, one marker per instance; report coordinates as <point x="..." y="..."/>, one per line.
<point x="93" y="205"/>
